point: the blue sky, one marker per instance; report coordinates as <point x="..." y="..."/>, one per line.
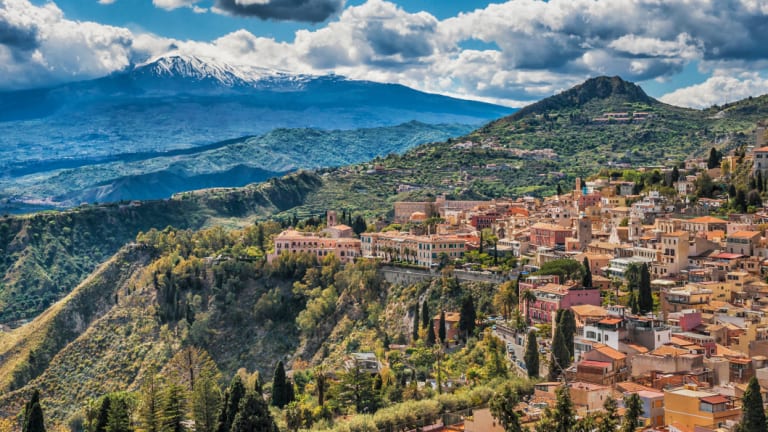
<point x="687" y="52"/>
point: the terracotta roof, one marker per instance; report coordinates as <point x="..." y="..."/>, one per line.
<point x="761" y="149"/>
<point x="610" y="321"/>
<point x="669" y="351"/>
<point x="706" y="219"/>
<point x="744" y="234"/>
<point x="726" y="255"/>
<point x="589" y="310"/>
<point x="637" y="348"/>
<point x="593" y="363"/>
<point x="716" y="399"/>
<point x="632" y="387"/>
<point x="610" y="352"/>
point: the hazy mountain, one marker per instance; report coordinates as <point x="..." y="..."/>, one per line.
<point x="180" y="102"/>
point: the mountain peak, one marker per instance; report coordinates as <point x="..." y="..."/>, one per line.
<point x="194" y="69"/>
<point x="602" y="88"/>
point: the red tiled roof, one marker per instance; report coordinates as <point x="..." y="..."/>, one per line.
<point x="716" y="399"/>
<point x="609" y="321"/>
<point x="726" y="255"/>
<point x="594" y="363"/>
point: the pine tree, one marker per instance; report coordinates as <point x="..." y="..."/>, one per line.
<point x="206" y="403"/>
<point x="609" y="418"/>
<point x="253" y="415"/>
<point x="119" y="417"/>
<point x="279" y="387"/>
<point x="563" y="417"/>
<point x="149" y="403"/>
<point x="33" y="415"/>
<point x="644" y="296"/>
<point x="753" y="418"/>
<point x="502" y="405"/>
<point x="634" y="410"/>
<point x="531" y="356"/>
<point x="467" y="317"/>
<point x="415" y="335"/>
<point x="441" y="327"/>
<point x="586" y="279"/>
<point x="172" y="408"/>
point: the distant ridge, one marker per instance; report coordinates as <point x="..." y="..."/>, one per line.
<point x="602" y="87"/>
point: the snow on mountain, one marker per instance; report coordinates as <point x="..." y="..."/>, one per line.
<point x="196" y="69"/>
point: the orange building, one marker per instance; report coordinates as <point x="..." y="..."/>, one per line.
<point x="346" y="249"/>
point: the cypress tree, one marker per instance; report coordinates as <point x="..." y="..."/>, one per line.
<point x="441" y="327"/>
<point x="415" y="335"/>
<point x="644" y="296"/>
<point x="279" y="387"/>
<point x="232" y="398"/>
<point x="33" y="415"/>
<point x="675" y="174"/>
<point x="253" y="415"/>
<point x="430" y="336"/>
<point x="567" y="326"/>
<point x="173" y="408"/>
<point x="560" y="356"/>
<point x="752" y="405"/>
<point x="103" y="417"/>
<point x="586" y="279"/>
<point x="632" y="415"/>
<point x="531" y="356"/>
<point x="426" y="320"/>
<point x="468" y="317"/>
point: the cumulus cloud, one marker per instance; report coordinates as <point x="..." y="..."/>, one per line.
<point x="718" y="89"/>
<point x="284" y="10"/>
<point x="38" y="46"/>
<point x="535" y="47"/>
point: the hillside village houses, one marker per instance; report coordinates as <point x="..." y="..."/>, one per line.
<point x="689" y="362"/>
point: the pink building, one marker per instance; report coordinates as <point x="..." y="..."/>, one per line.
<point x="346" y="249"/>
<point x="551" y="297"/>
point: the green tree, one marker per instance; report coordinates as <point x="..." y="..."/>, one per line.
<point x="740" y="201"/>
<point x="531" y="356"/>
<point x="431" y="338"/>
<point x="149" y="403"/>
<point x="529" y="298"/>
<point x="426" y="320"/>
<point x="560" y="357"/>
<point x="714" y="158"/>
<point x="441" y="327"/>
<point x="232" y="397"/>
<point x="634" y="410"/>
<point x="609" y="419"/>
<point x="359" y="226"/>
<point x="467" y="316"/>
<point x="505" y="298"/>
<point x="253" y="415"/>
<point x="502" y="405"/>
<point x="753" y="418"/>
<point x="704" y="186"/>
<point x="564" y="268"/>
<point x="33" y="414"/>
<point x="675" y="174"/>
<point x="644" y="296"/>
<point x="103" y="417"/>
<point x="119" y="416"/>
<point x="356" y="389"/>
<point x="415" y="335"/>
<point x="562" y="418"/>
<point x="567" y="325"/>
<point x="281" y="393"/>
<point x="586" y="279"/>
<point x="172" y="408"/>
<point x="206" y="404"/>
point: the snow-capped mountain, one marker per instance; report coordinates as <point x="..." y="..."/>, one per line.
<point x="175" y="102"/>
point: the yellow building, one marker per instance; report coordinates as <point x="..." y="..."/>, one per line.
<point x="692" y="407"/>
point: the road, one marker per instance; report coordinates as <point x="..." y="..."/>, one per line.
<point x="505" y="334"/>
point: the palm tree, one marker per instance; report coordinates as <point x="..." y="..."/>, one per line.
<point x="528" y="297"/>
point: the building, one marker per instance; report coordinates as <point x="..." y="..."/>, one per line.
<point x="451" y="326"/>
<point x="552" y="296"/>
<point x="292" y="241"/>
<point x="549" y="235"/>
<point x="760" y="163"/>
<point x="422" y="250"/>
<point x="691" y="407"/>
<point x="742" y="242"/>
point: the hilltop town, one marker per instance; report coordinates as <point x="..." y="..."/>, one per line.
<point x="674" y="305"/>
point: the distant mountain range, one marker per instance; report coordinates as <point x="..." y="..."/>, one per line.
<point x="177" y="105"/>
<point x="180" y="102"/>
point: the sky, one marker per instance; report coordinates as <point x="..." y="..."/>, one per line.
<point x="693" y="53"/>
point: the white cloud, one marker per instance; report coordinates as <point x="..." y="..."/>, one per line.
<point x="174" y="4"/>
<point x="534" y="48"/>
<point x="718" y="89"/>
